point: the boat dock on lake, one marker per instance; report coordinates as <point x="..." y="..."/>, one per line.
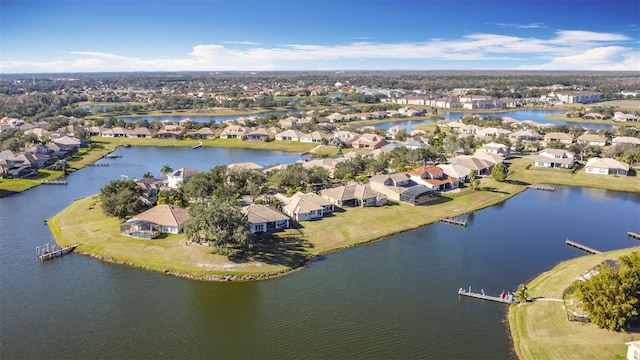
<point x="113" y="156"/>
<point x="197" y="146"/>
<point x="505" y="298"/>
<point x="633" y="235"/>
<point x="54" y="182"/>
<point x="542" y="187"/>
<point x="46" y="252"/>
<point x="582" y="247"/>
<point x="452" y="221"/>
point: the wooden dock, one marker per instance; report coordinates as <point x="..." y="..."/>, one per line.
<point x="582" y="247"/>
<point x="633" y="235"/>
<point x="452" y="221"/>
<point x="542" y="187"/>
<point x="54" y="182"/>
<point x="507" y="298"/>
<point x="47" y="252"/>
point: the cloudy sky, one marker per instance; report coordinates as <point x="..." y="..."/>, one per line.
<point x="39" y="36"/>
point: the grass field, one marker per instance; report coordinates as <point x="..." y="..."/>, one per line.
<point x="540" y="329"/>
<point x="518" y="172"/>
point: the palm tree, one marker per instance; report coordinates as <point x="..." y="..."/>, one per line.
<point x="165" y="169"/>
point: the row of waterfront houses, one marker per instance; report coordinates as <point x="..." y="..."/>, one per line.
<point x="416" y="187"/>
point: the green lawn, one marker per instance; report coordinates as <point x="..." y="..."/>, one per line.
<point x="518" y="171"/>
<point x="290" y="249"/>
<point x="540" y="329"/>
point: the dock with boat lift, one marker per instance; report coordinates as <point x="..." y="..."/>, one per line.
<point x="584" y="248"/>
<point x="47" y="252"/>
<point x="505" y="298"/>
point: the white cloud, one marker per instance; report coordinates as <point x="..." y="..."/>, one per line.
<point x="568" y="50"/>
<point x="606" y="58"/>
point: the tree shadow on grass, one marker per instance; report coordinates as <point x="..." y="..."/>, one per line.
<point x="492" y="189"/>
<point x="290" y="251"/>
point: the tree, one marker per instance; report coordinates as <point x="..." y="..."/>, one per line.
<point x="165" y="169"/>
<point x="611" y="297"/>
<point x="500" y="172"/>
<point x="221" y="224"/>
<point x="522" y="294"/>
<point x="122" y="199"/>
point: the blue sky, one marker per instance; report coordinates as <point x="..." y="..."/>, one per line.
<point x="39" y="36"/>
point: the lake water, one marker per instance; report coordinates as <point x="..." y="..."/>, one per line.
<point x="394" y="298"/>
<point x="216" y="119"/>
<point x="535" y="115"/>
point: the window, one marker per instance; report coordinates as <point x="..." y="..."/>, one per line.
<point x="259" y="227"/>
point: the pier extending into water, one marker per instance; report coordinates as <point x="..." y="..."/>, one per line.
<point x="582" y="247"/>
<point x="505" y="298"/>
<point x="633" y="235"/>
<point x="46" y="252"/>
<point x="452" y="221"/>
<point x="54" y="182"/>
<point x="542" y="187"/>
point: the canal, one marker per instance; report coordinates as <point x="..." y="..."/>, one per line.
<point x="395" y="298"/>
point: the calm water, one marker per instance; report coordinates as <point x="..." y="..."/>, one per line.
<point x="389" y="299"/>
<point x="535" y="115"/>
<point x="217" y="119"/>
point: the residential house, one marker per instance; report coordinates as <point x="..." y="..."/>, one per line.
<point x="480" y="166"/>
<point x="346" y="137"/>
<point x="155" y="221"/>
<point x="354" y="195"/>
<point x="233" y="132"/>
<point x="560" y="137"/>
<point x="259" y="134"/>
<point x="633" y="350"/>
<point x="300" y="209"/>
<point x="369" y="141"/>
<point x="151" y="188"/>
<point x="246" y="166"/>
<point x="434" y="178"/>
<point x="289" y="135"/>
<point x="606" y="166"/>
<point x="180" y="176"/>
<point x="171" y="132"/>
<point x="67" y="143"/>
<point x="456" y="171"/>
<point x="620" y="116"/>
<point x="554" y="158"/>
<point x="400" y="187"/>
<point x="205" y="133"/>
<point x="593" y="139"/>
<point x="315" y="137"/>
<point x="327" y="163"/>
<point x="526" y="135"/>
<point x="394" y="130"/>
<point x="497" y="148"/>
<point x="490" y="132"/>
<point x="288" y="122"/>
<point x="264" y="218"/>
<point x="142" y="132"/>
<point x="625" y="140"/>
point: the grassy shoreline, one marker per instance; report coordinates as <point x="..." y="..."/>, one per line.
<point x="101" y="238"/>
<point x="540" y="329"/>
